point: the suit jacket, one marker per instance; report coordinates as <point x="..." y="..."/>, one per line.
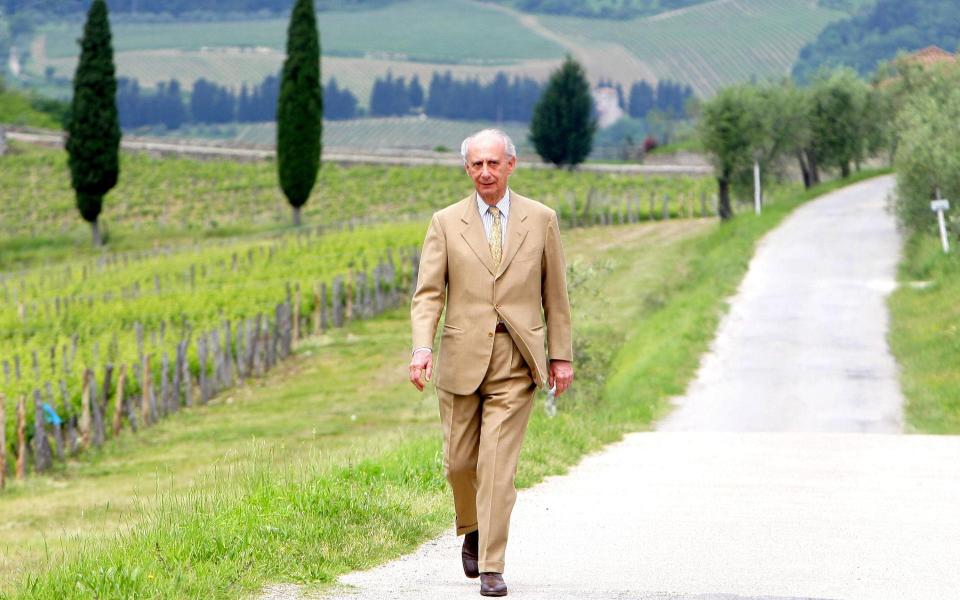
<point x="528" y="292"/>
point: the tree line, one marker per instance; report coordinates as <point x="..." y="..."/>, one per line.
<point x="210" y="103"/>
<point x="836" y="123"/>
<point x="501" y="99"/>
<point x="668" y="97"/>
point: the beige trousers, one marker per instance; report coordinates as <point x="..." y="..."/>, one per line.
<point x="482" y="435"/>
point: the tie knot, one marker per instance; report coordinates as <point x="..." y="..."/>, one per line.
<point x="494" y="211"/>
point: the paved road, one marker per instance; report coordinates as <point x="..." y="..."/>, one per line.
<point x="803" y="347"/>
<point x="760" y="485"/>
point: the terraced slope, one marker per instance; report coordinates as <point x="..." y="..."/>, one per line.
<point x="711" y="44"/>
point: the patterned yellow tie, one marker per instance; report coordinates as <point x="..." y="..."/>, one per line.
<point x="496" y="237"/>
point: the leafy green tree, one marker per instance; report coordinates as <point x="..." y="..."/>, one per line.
<point x="300" y="109"/>
<point x="731" y="131"/>
<point x="563" y="124"/>
<point x="93" y="130"/>
<point x="928" y="153"/>
<point x="838" y="105"/>
<point x="785" y="111"/>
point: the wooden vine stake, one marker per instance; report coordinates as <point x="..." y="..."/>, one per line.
<point x="85" y="417"/>
<point x="118" y="401"/>
<point x="3" y="441"/>
<point x="21" y="438"/>
<point x="296" y="314"/>
<point x="145" y="392"/>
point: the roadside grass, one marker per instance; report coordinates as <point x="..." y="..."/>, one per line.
<point x="647" y="301"/>
<point x="925" y="334"/>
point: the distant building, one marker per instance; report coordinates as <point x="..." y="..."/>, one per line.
<point x="925" y="58"/>
<point x="608" y="106"/>
<point x="931" y="55"/>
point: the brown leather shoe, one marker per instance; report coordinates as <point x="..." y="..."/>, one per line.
<point x="471" y="548"/>
<point x="491" y="584"/>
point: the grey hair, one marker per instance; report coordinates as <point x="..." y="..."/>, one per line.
<point x="508" y="146"/>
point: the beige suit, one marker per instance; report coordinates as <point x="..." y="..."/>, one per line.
<point x="485" y="381"/>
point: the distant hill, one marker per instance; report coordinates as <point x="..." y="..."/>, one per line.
<point x="879" y="32"/>
<point x="609" y="9"/>
<point x="602" y="9"/>
<point x="176" y="7"/>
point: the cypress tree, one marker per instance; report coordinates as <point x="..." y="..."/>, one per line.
<point x="416" y="92"/>
<point x="300" y="109"/>
<point x="93" y="131"/>
<point x="563" y="124"/>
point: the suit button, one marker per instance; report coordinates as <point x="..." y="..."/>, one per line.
<point x="490" y="334"/>
<point x="497" y="307"/>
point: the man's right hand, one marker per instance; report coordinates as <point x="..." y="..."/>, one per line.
<point x="421" y="368"/>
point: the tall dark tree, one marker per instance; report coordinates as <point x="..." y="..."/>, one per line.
<point x="300" y="109"/>
<point x="642" y="99"/>
<point x="563" y="124"/>
<point x="416" y="92"/>
<point x="93" y="132"/>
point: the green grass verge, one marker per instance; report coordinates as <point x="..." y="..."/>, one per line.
<point x="925" y="334"/>
<point x="642" y="317"/>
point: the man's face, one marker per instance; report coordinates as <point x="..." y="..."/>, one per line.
<point x="489" y="167"/>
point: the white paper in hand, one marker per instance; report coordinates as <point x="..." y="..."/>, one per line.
<point x="551" y="404"/>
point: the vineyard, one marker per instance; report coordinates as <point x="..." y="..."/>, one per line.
<point x="222" y="198"/>
<point x="389" y="132"/>
<point x="95" y="345"/>
<point x="712" y="44"/>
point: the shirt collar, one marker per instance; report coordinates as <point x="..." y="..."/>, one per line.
<point x="503" y="204"/>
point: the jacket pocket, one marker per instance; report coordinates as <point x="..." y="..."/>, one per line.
<point x="447" y="328"/>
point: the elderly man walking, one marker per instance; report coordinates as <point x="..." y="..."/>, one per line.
<point x="495" y="260"/>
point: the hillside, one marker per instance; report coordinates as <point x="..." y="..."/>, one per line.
<point x="706" y="46"/>
<point x="606" y="9"/>
<point x="879" y="32"/>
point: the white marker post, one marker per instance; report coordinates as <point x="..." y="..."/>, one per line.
<point x="940" y="206"/>
<point x="756" y="186"/>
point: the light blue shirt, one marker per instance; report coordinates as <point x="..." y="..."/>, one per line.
<point x="504" y="206"/>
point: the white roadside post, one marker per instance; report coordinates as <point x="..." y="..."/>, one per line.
<point x="756" y="186"/>
<point x="940" y="206"/>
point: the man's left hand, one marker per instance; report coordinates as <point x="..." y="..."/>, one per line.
<point x="561" y="374"/>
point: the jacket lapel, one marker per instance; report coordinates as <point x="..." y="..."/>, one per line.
<point x="516" y="229"/>
<point x="474" y="234"/>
